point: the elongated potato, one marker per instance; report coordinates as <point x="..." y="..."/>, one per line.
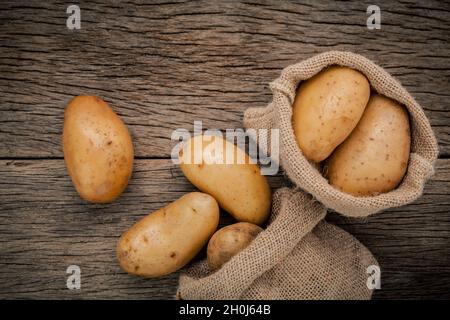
<point x="169" y="238"/>
<point x="374" y="158"/>
<point x="229" y="241"/>
<point x="239" y="188"/>
<point x="97" y="149"/>
<point x="327" y="108"/>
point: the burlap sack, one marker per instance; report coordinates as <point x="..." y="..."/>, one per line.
<point x="278" y="113"/>
<point x="298" y="256"/>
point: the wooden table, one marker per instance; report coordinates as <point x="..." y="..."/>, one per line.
<point x="162" y="65"/>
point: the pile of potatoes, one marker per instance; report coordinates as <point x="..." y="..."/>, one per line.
<point x="98" y="152"/>
<point x="169" y="238"/>
<point x="362" y="139"/>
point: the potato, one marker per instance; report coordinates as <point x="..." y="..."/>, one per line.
<point x="239" y="188"/>
<point x="228" y="241"/>
<point x="327" y="108"/>
<point x="374" y="157"/>
<point x="169" y="238"/>
<point x="97" y="149"/>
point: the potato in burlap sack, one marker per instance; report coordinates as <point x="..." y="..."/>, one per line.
<point x="298" y="256"/>
<point x="302" y="173"/>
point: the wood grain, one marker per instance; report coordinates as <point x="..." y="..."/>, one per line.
<point x="46" y="227"/>
<point x="162" y="65"/>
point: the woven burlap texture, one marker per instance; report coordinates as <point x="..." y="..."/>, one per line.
<point x="298" y="256"/>
<point x="278" y="114"/>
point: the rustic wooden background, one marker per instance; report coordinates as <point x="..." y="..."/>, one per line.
<point x="162" y="65"/>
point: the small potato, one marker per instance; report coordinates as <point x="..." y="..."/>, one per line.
<point x="327" y="108"/>
<point x="240" y="189"/>
<point x="97" y="149"/>
<point x="166" y="240"/>
<point x="228" y="241"/>
<point x="374" y="158"/>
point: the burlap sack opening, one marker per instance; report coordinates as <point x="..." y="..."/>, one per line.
<point x="298" y="256"/>
<point x="278" y="114"/>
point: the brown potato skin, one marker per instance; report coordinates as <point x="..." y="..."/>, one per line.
<point x="228" y="241"/>
<point x="374" y="158"/>
<point x="167" y="239"/>
<point x="240" y="189"/>
<point x="327" y="108"/>
<point x="98" y="150"/>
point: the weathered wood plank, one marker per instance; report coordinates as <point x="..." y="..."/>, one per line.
<point x="45" y="227"/>
<point x="162" y="65"/>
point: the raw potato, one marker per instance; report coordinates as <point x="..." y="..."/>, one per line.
<point x="239" y="188"/>
<point x="228" y="241"/>
<point x="374" y="158"/>
<point x="327" y="108"/>
<point x="97" y="149"/>
<point x="169" y="238"/>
